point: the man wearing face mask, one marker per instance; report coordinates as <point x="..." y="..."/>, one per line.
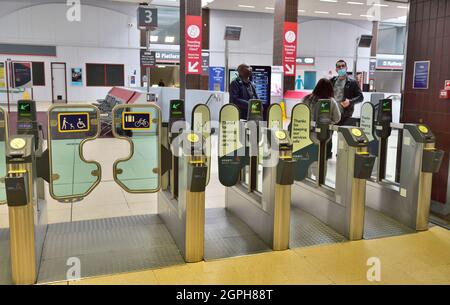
<point x="346" y="92"/>
<point x="243" y="90"/>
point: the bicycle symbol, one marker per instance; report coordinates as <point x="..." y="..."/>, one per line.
<point x="142" y="123"/>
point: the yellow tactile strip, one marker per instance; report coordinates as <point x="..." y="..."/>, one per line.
<point x="421" y="258"/>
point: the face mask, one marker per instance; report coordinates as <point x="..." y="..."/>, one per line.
<point x="342" y="72"/>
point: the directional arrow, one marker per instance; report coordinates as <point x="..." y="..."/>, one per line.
<point x="193" y="67"/>
<point x="289" y="69"/>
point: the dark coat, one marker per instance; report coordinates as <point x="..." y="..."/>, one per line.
<point x="240" y="95"/>
<point x="353" y="93"/>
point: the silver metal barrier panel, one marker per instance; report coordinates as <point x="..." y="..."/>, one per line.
<point x="140" y="125"/>
<point x="3" y="141"/>
<point x="201" y="124"/>
<point x="72" y="177"/>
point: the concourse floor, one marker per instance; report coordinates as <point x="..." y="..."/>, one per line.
<point x="419" y="258"/>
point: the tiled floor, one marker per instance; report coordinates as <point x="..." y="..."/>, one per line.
<point x="409" y="259"/>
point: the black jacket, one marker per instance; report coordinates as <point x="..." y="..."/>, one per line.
<point x="240" y="94"/>
<point x="351" y="92"/>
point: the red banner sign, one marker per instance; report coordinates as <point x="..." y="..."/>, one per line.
<point x="193" y="44"/>
<point x="290" y="48"/>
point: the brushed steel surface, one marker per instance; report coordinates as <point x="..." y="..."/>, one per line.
<point x="282" y="217"/>
<point x="409" y="203"/>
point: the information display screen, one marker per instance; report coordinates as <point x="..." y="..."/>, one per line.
<point x="262" y="80"/>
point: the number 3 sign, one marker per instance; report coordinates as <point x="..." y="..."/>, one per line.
<point x="147" y="18"/>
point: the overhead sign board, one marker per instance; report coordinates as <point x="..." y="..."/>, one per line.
<point x="306" y="61"/>
<point x="233" y="32"/>
<point x="389" y="64"/>
<point x="167" y="57"/>
<point x="290" y="48"/>
<point x="147" y="18"/>
<point x="193" y="44"/>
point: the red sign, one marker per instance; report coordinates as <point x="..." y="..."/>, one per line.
<point x="447" y="85"/>
<point x="445" y="94"/>
<point x="290" y="48"/>
<point x="193" y="44"/>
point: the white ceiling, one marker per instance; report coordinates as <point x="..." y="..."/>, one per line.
<point x="393" y="11"/>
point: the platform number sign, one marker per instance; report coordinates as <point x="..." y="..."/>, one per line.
<point x="136" y="121"/>
<point x="147" y="18"/>
<point x="73" y="122"/>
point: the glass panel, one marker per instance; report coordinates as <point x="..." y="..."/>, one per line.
<point x="3" y="138"/>
<point x="330" y="170"/>
<point x="391" y="158"/>
<point x="72" y="177"/>
<point x="141" y="125"/>
<point x="201" y="118"/>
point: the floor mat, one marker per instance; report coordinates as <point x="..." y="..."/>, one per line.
<point x="307" y="230"/>
<point x="378" y="225"/>
<point x="228" y="236"/>
<point x="107" y="246"/>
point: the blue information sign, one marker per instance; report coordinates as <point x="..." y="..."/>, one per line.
<point x="73" y="122"/>
<point x="421" y="74"/>
<point x="136" y="120"/>
<point x="217" y="79"/>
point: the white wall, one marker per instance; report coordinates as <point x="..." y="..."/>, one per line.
<point x="102" y="36"/>
<point x="256" y="44"/>
<point x="325" y="39"/>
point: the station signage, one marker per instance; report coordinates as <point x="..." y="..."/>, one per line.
<point x="205" y="62"/>
<point x="421" y="75"/>
<point x="148" y="59"/>
<point x="290" y="48"/>
<point x="304" y="150"/>
<point x="73" y="122"/>
<point x="306" y="61"/>
<point x="167" y="57"/>
<point x="389" y="64"/>
<point x="136" y="121"/>
<point x="147" y="18"/>
<point x="193" y="46"/>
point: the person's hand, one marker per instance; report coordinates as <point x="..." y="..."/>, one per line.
<point x="346" y="103"/>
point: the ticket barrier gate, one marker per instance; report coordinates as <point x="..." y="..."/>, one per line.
<point x="242" y="147"/>
<point x="341" y="208"/>
<point x="70" y="176"/>
<point x="408" y="201"/>
<point x="185" y="173"/>
<point x="25" y="194"/>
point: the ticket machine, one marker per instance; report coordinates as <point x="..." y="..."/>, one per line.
<point x="409" y="200"/>
<point x="341" y="208"/>
<point x="256" y="166"/>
